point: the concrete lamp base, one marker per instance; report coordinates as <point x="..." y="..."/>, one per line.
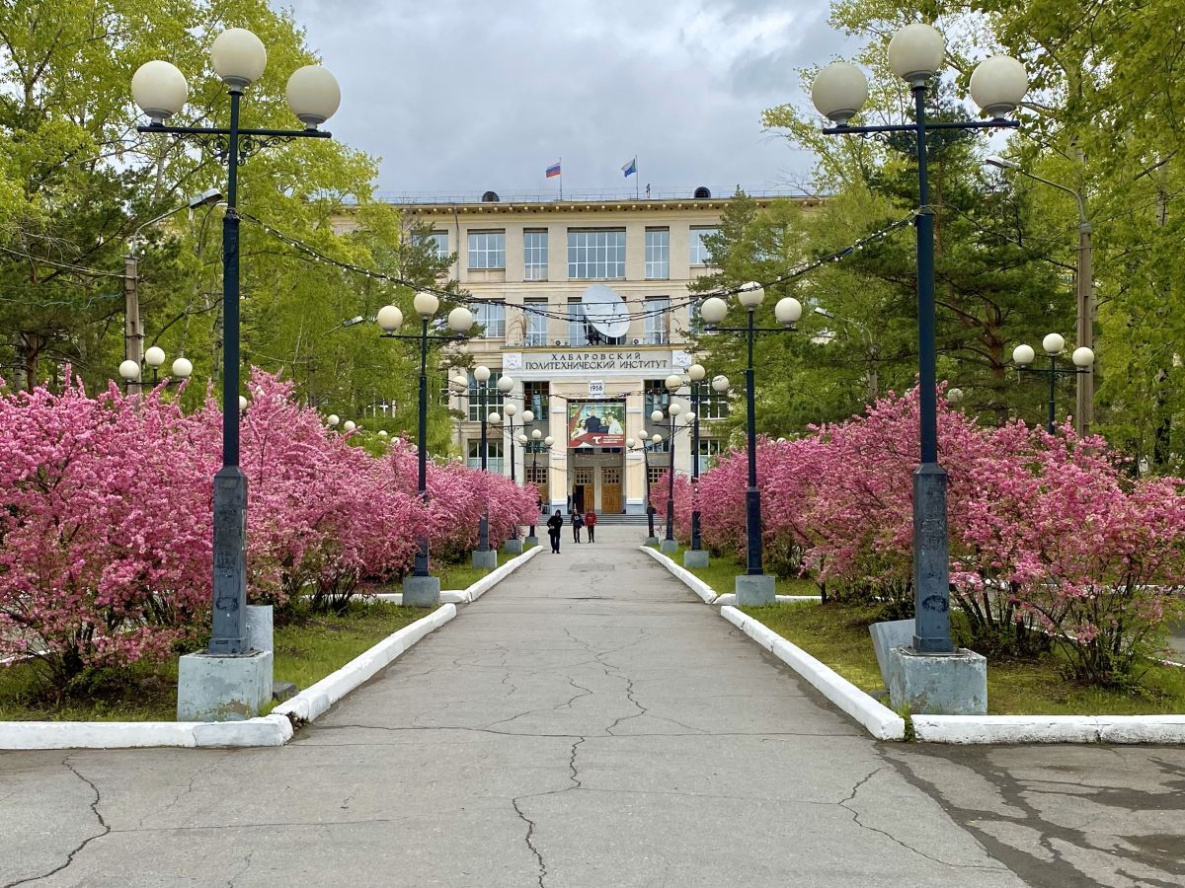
<point x="755" y="590"/>
<point x="669" y="546"/>
<point x="651" y="541"/>
<point x="938" y="684"/>
<point x="220" y="687"/>
<point x="486" y="559"/>
<point x="421" y="591"/>
<point x="531" y="541"/>
<point x="695" y="558"/>
<point x="513" y="547"/>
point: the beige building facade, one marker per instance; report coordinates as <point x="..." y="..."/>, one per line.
<point x="543" y="257"/>
<point x="528" y="265"/>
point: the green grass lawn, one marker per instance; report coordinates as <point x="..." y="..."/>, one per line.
<point x="838" y="636"/>
<point x="722" y="571"/>
<point x="305" y="652"/>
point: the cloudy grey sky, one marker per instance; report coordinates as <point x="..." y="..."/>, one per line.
<point x="460" y="96"/>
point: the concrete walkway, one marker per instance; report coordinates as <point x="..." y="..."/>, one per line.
<point x="586" y="723"/>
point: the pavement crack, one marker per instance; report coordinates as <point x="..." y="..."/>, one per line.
<point x="214" y="763"/>
<point x="530" y="841"/>
<point x="94" y="806"/>
<point x="575" y="778"/>
<point x="230" y="883"/>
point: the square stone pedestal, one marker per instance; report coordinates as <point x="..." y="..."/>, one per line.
<point x="651" y="541"/>
<point x="755" y="590"/>
<point x="222" y="687"/>
<point x="886" y="636"/>
<point x="513" y="547"/>
<point x="421" y="591"/>
<point x="695" y="557"/>
<point x="486" y="559"/>
<point x="532" y="540"/>
<point x="938" y="684"/>
<point x="669" y="546"/>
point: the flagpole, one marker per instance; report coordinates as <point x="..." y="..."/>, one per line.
<point x="561" y="180"/>
<point x="637" y="180"/>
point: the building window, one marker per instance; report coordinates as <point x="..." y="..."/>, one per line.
<point x="699" y="250"/>
<point x="713" y="404"/>
<point x="491" y="317"/>
<point x="577" y="327"/>
<point x="596" y="255"/>
<point x="657" y="315"/>
<point x="436" y="241"/>
<point x="493" y="455"/>
<point x="535" y="399"/>
<point x="656" y="473"/>
<point x="654" y="397"/>
<point x="709" y="450"/>
<point x="537" y="475"/>
<point x="536" y="322"/>
<point x="487" y="249"/>
<point x="534" y="255"/>
<point x="492" y="395"/>
<point x="658" y="254"/>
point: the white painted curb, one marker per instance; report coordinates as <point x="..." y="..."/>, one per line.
<point x="274" y="729"/>
<point x="731" y="599"/>
<point x="316" y="699"/>
<point x="880" y="721"/>
<point x="963" y="729"/>
<point x="474" y="592"/>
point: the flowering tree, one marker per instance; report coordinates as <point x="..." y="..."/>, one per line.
<point x="1049" y="542"/>
<point x="106" y="518"/>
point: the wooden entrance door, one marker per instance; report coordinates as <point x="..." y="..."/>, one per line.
<point x="610" y="489"/>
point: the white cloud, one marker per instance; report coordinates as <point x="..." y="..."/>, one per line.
<point x="458" y="96"/>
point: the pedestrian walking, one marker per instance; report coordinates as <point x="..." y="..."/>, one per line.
<point x="590" y="524"/>
<point x="577" y="523"/>
<point x="554" y="524"/>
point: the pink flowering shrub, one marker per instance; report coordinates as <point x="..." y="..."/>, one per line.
<point x="104" y="559"/>
<point x="106" y="524"/>
<point x="1049" y="541"/>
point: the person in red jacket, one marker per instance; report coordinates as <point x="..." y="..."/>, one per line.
<point x="590" y="523"/>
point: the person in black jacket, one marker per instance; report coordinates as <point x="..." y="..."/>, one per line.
<point x="554" y="524"/>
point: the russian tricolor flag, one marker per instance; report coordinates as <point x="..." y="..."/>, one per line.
<point x="553" y="170"/>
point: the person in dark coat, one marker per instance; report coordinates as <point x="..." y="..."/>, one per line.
<point x="554" y="524"/>
<point x="577" y="523"/>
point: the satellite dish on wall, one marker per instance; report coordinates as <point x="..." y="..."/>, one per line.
<point x="605" y="311"/>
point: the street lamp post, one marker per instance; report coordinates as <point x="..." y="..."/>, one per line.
<point x="420" y="589"/>
<point x="1084" y="394"/>
<point x="1054" y="345"/>
<point x="673" y="383"/>
<point x="154" y="357"/>
<point x="655" y="440"/>
<point x="537" y="443"/>
<point x="509" y="409"/>
<point x="997" y="85"/>
<point x="697" y="556"/>
<point x="755" y="587"/>
<point x="484" y="556"/>
<point x="160" y="89"/>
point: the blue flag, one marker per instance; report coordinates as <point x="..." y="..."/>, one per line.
<point x="630" y="168"/>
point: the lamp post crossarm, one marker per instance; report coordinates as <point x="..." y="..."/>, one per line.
<point x="790" y="329"/>
<point x="913" y="127"/>
<point x="459" y="337"/>
<point x="1054" y="371"/>
<point x="226" y="131"/>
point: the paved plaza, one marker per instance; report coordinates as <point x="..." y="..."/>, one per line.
<point x="590" y="723"/>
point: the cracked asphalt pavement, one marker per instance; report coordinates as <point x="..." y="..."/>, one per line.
<point x="590" y="723"/>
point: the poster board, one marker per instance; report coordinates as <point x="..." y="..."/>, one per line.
<point x="598" y="424"/>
